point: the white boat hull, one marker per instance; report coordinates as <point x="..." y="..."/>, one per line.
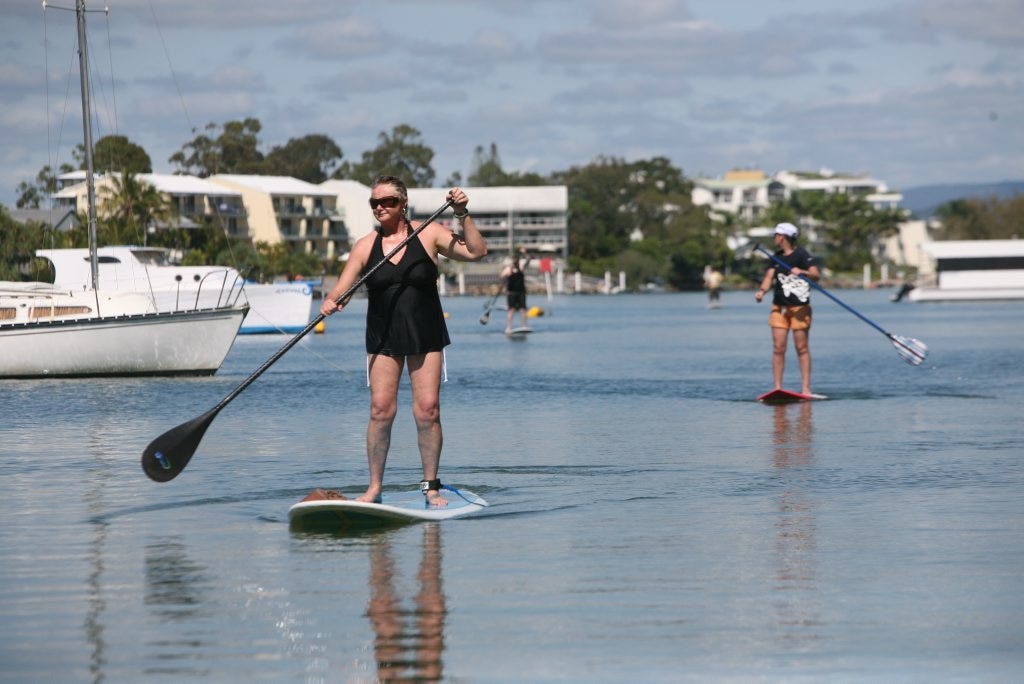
<point x="277" y="308"/>
<point x="183" y="343"/>
<point x="938" y="294"/>
<point x="971" y="271"/>
<point x="46" y="332"/>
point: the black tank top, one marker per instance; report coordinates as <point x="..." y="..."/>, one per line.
<point x="516" y="281"/>
<point x="404" y="314"/>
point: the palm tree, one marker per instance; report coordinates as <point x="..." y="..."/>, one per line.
<point x="130" y="205"/>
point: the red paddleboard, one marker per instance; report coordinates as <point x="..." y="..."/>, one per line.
<point x="782" y="396"/>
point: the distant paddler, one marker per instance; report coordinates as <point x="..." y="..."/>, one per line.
<point x="514" y="277"/>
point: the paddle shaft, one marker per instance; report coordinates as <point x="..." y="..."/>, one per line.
<point x="319" y="317"/>
<point x="828" y="294"/>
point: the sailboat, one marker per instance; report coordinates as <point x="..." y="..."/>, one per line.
<point x="47" y="330"/>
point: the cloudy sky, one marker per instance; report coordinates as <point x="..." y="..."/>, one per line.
<point x="911" y="91"/>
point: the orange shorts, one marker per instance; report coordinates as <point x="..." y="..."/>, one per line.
<point x="790" y="317"/>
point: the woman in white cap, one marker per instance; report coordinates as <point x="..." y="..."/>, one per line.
<point x="791" y="303"/>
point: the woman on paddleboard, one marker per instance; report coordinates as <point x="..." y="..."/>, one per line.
<point x="405" y="322"/>
<point x="514" y="276"/>
<point x="791" y="303"/>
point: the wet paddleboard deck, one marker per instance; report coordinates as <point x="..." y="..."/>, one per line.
<point x="394" y="508"/>
<point x="519" y="331"/>
<point x="783" y="396"/>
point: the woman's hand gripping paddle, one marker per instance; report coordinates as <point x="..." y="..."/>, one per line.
<point x="910" y="350"/>
<point x="167" y="455"/>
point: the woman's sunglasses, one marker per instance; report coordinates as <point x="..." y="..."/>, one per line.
<point x="386" y="202"/>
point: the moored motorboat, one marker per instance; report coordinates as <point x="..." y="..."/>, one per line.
<point x="971" y="270"/>
<point x="273" y="307"/>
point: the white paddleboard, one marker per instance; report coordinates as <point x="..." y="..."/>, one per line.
<point x="395" y="507"/>
<point x="520" y="331"/>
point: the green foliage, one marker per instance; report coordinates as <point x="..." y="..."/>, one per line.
<point x="17" y="246"/>
<point x="486" y="170"/>
<point x="231" y="149"/>
<point x="401" y="154"/>
<point x="129" y="206"/>
<point x="116" y="154"/>
<point x="312" y="158"/>
<point x="33" y="195"/>
<point x="976" y="219"/>
<point x="848" y="226"/>
<point x="612" y="201"/>
<point x="635" y="216"/>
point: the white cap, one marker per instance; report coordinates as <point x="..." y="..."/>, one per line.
<point x="787" y="229"/>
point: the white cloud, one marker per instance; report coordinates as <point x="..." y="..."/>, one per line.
<point x="913" y="91"/>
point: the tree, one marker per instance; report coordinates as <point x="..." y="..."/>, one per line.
<point x="487" y="171"/>
<point x="32" y="195"/>
<point x="849" y="227"/>
<point x="312" y="158"/>
<point x="129" y="206"/>
<point x="116" y="154"/>
<point x="610" y="200"/>
<point x="597" y="221"/>
<point x="233" y="150"/>
<point x="402" y="154"/>
<point x="977" y="219"/>
<point x="17" y="246"/>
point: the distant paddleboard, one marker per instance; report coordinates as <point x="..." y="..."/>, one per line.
<point x="394" y="508"/>
<point x="523" y="330"/>
<point x="783" y="396"/>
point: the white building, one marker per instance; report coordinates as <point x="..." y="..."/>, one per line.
<point x="746" y="194"/>
<point x="743" y="194"/>
<point x="535" y="217"/>
<point x="194" y="199"/>
<point x="286" y="209"/>
<point x="271" y="209"/>
<point x="327" y="218"/>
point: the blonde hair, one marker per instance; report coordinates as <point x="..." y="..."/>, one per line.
<point x="395" y="182"/>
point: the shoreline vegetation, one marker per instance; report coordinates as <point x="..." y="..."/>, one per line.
<point x="634" y="217"/>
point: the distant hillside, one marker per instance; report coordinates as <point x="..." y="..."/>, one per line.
<point x="925" y="199"/>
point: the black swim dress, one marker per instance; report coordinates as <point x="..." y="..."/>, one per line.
<point x="404" y="314"/>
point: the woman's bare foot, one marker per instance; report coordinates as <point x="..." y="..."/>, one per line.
<point x="372" y="495"/>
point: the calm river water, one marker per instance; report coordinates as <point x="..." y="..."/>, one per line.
<point x="649" y="521"/>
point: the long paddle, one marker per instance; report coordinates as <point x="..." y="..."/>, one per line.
<point x="910" y="350"/>
<point x="487" y="313"/>
<point x="167" y="455"/>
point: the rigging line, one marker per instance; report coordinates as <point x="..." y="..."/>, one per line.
<point x="51" y="156"/>
<point x="110" y="59"/>
<point x="174" y="76"/>
<point x="46" y="118"/>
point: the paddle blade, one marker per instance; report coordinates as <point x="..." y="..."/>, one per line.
<point x="486" y="317"/>
<point x="910" y="350"/>
<point x="167" y="455"/>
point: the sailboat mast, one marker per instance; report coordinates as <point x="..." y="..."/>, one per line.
<point x="90" y="184"/>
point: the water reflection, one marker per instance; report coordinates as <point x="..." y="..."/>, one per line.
<point x="408" y="640"/>
<point x="177" y="590"/>
<point x="796" y="606"/>
<point x="95" y="499"/>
